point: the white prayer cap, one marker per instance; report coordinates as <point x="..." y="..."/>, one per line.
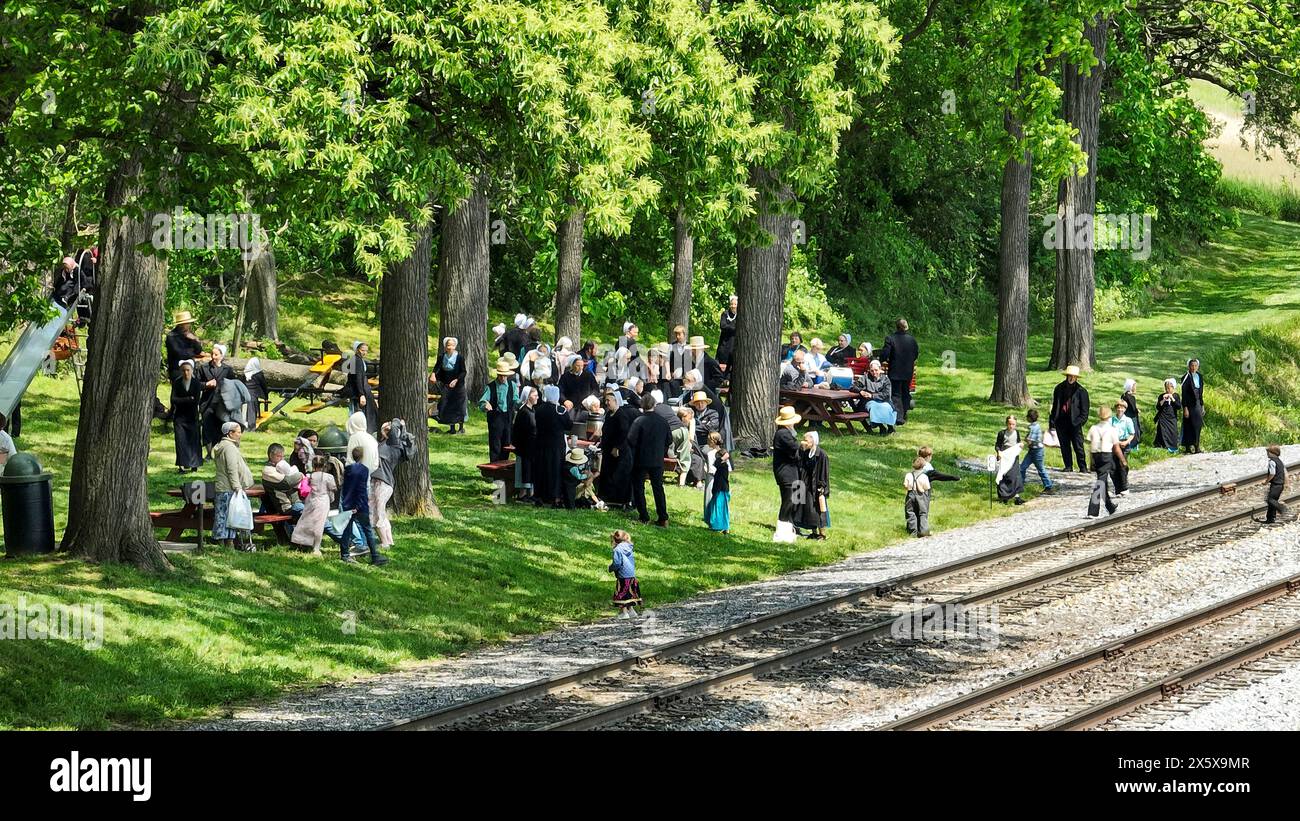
<point x="563" y="344"/>
<point x="658" y="395"/>
<point x="591" y="403"/>
<point x="252" y="368"/>
<point x="221" y="348"/>
<point x="499" y="328"/>
<point x="627" y="326"/>
<point x="521" y="320"/>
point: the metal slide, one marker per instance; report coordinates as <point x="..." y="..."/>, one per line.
<point x="26" y="357"/>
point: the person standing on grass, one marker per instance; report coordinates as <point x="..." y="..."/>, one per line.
<point x="311" y="526"/>
<point x="1035" y="453"/>
<point x="647" y="444"/>
<point x="523" y="435"/>
<point x="627" y="590"/>
<point x="916" y="504"/>
<point x="258" y="393"/>
<point x="211" y="374"/>
<point x="1010" y="478"/>
<point x="785" y="469"/>
<point x="1131" y="411"/>
<point x="727" y="333"/>
<point x="233" y="475"/>
<point x="186" y="393"/>
<point x="449" y="373"/>
<point x="499" y="400"/>
<point x="1193" y="406"/>
<point x="900" y="353"/>
<point x="357" y="390"/>
<point x="1124" y="435"/>
<point x="355" y="499"/>
<point x="396" y="445"/>
<point x="1276" y="481"/>
<point x="1168" y="408"/>
<point x="615" y="460"/>
<point x="1104" y="442"/>
<point x="717" y="485"/>
<point x="1069" y="416"/>
<point x="553" y="425"/>
<point x="813" y="513"/>
<point x="181" y="344"/>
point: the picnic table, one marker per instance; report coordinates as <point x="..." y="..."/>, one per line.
<point x="832" y="408"/>
<point x="187" y="517"/>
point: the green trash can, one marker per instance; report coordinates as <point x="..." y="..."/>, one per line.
<point x="27" y="503"/>
<point x="333" y="442"/>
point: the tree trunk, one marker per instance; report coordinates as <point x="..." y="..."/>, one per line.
<point x="761" y="273"/>
<point x="464" y="268"/>
<point x="108" y="504"/>
<point x="1072" y="337"/>
<point x="1010" y="385"/>
<point x="241" y="307"/>
<point x="683" y="273"/>
<point x="404" y="380"/>
<point x="264" y="293"/>
<point x="69" y="242"/>
<point x="281" y="375"/>
<point x="568" y="280"/>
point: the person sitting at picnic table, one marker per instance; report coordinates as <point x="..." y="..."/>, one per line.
<point x="1168" y="407"/>
<point x="843" y="350"/>
<point x="499" y="400"/>
<point x="577" y="383"/>
<point x="1124" y="435"/>
<point x="579" y="482"/>
<point x="233" y="475"/>
<point x="1008" y="479"/>
<point x="280" y="482"/>
<point x="813" y="513"/>
<point x="794" y="373"/>
<point x="815" y="361"/>
<point x="794" y="346"/>
<point x="865" y="351"/>
<point x="303" y="455"/>
<point x="874" y="394"/>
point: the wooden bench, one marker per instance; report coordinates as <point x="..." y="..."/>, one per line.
<point x="179" y="521"/>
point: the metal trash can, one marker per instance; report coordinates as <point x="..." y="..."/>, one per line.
<point x="333" y="442"/>
<point x="27" y="503"/>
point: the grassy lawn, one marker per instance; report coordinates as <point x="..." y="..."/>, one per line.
<point x="227" y="627"/>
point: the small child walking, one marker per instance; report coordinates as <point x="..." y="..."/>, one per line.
<point x="916" y="504"/>
<point x="627" y="591"/>
<point x="1036" y="452"/>
<point x="355" y="497"/>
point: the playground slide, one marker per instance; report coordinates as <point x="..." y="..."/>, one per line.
<point x="25" y="359"/>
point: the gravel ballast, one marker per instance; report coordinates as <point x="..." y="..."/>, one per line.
<point x="377" y="700"/>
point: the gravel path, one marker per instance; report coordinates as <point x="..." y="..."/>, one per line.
<point x="375" y="700"/>
<point x="1271" y="704"/>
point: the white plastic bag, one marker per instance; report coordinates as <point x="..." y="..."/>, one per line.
<point x="239" y="514"/>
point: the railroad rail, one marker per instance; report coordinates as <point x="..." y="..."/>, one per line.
<point x="992" y="702"/>
<point x="656" y="677"/>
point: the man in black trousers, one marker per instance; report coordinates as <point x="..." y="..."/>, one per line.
<point x="1068" y="418"/>
<point x="900" y="354"/>
<point x="647" y="444"/>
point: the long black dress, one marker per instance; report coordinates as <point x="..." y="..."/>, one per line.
<point x="726" y="337"/>
<point x="452" y="408"/>
<point x="575" y="387"/>
<point x="523" y="435"/>
<point x="785" y="469"/>
<point x="615" y="482"/>
<point x="357" y="386"/>
<point x="1194" y="405"/>
<point x="258" y="390"/>
<point x="1011" y="484"/>
<point x="815" y="473"/>
<point x="185" y="422"/>
<point x="1131" y="411"/>
<point x="1168" y="411"/>
<point x="553" y="424"/>
<point x="179" y="348"/>
<point x="209" y="403"/>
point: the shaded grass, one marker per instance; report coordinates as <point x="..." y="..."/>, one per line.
<point x="230" y="627"/>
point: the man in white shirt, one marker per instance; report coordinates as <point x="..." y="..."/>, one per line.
<point x="1103" y="438"/>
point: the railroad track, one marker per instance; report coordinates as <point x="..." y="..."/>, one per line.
<point x="609" y="692"/>
<point x="1119" y="677"/>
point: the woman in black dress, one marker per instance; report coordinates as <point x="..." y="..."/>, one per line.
<point x="1010" y="481"/>
<point x="1131" y="411"/>
<point x="255" y="381"/>
<point x="449" y="373"/>
<point x="553" y="423"/>
<point x="843" y="350"/>
<point x="523" y="435"/>
<point x="813" y="513"/>
<point x="727" y="333"/>
<point x="357" y="388"/>
<point x="186" y="392"/>
<point x="615" y="482"/>
<point x="1168" y="410"/>
<point x="210" y="375"/>
<point x="1193" y="406"/>
<point x="577" y="383"/>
